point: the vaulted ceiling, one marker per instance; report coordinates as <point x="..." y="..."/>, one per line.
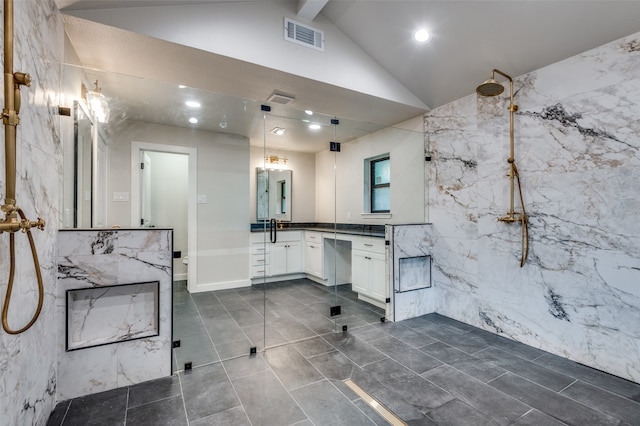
<point x="370" y="70"/>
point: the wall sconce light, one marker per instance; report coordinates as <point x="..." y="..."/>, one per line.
<point x="275" y="162"/>
<point x="97" y="103"/>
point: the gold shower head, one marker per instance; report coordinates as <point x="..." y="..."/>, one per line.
<point x="490" y="88"/>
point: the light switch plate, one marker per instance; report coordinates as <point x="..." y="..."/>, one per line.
<point x="120" y="196"/>
<point x="202" y="199"/>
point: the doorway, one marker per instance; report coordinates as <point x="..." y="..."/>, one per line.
<point x="163" y="194"/>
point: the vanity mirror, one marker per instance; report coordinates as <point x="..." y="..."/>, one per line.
<point x="84" y="133"/>
<point x="273" y="194"/>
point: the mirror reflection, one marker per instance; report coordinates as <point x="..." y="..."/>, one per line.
<point x="273" y="194"/>
<point x="83" y="167"/>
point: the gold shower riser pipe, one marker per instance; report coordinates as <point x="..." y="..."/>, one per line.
<point x="14" y="217"/>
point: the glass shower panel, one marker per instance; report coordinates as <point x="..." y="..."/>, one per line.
<point x="217" y="313"/>
<point x="297" y="290"/>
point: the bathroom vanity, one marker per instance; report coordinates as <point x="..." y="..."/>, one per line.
<point x="352" y="254"/>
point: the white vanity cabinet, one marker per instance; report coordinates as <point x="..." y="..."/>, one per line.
<point x="314" y="254"/>
<point x="279" y="258"/>
<point x="368" y="269"/>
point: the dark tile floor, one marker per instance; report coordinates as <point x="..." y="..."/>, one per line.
<point x="429" y="370"/>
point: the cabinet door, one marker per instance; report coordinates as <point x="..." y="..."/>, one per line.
<point x="277" y="259"/>
<point x="361" y="272"/>
<point x="313" y="259"/>
<point x="378" y="287"/>
<point x="294" y="257"/>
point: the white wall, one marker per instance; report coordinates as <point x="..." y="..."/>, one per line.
<point x="223" y="177"/>
<point x="577" y="146"/>
<point x="406" y="149"/>
<point x="303" y="177"/>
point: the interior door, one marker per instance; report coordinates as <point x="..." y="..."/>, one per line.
<point x="145" y="190"/>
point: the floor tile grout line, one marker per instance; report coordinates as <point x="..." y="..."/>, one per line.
<point x="64" y="417"/>
<point x="568" y="386"/>
<point x="235" y="392"/>
<point x="184" y="403"/>
<point x="126" y="406"/>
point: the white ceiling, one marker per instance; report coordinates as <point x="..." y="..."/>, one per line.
<point x="469" y="39"/>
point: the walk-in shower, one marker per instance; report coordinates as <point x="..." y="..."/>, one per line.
<point x="492" y="88"/>
<point x="15" y="219"/>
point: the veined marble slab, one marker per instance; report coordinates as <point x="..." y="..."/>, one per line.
<point x="577" y="149"/>
<point x="106" y="263"/>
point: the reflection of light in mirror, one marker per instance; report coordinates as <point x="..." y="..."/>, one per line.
<point x="275" y="162"/>
<point x="314" y="126"/>
<point x="193" y="120"/>
<point x="192" y="104"/>
<point x="308" y="112"/>
<point x="181" y="86"/>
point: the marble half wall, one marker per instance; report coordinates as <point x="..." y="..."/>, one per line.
<point x="409" y="268"/>
<point x="577" y="147"/>
<point x="113" y="262"/>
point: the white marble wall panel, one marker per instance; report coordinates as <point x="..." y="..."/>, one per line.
<point x="409" y="241"/>
<point x="577" y="147"/>
<point x="27" y="361"/>
<point x="97" y="258"/>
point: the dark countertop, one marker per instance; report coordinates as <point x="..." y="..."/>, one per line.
<point x="375" y="231"/>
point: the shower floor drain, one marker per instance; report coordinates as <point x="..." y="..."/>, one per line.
<point x="387" y="414"/>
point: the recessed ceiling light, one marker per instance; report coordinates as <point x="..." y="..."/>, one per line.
<point x="192" y="104"/>
<point x="314" y="126"/>
<point x="308" y="112"/>
<point x="278" y="131"/>
<point x="193" y="120"/>
<point x="421" y="35"/>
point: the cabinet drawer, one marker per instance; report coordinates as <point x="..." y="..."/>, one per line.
<point x="289" y="236"/>
<point x="313" y="237"/>
<point x="259" y="271"/>
<point x="375" y="245"/>
<point x="259" y="259"/>
<point x="259" y="248"/>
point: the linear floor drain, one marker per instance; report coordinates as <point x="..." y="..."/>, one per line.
<point x="387" y="414"/>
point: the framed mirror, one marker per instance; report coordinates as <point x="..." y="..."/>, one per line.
<point x="273" y="194"/>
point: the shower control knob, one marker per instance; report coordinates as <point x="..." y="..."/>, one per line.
<point x="40" y="224"/>
<point x="22" y="78"/>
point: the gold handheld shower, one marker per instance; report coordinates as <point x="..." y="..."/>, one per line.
<point x="492" y="88"/>
<point x="11" y="223"/>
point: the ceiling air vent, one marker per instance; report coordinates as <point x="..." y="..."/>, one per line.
<point x="303" y="34"/>
<point x="280" y="98"/>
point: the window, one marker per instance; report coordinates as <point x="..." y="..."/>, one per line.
<point x="379" y="184"/>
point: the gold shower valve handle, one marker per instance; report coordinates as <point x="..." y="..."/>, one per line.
<point x="21" y="78"/>
<point x="509" y="219"/>
<point x="27" y="224"/>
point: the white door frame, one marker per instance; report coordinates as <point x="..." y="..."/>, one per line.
<point x="192" y="213"/>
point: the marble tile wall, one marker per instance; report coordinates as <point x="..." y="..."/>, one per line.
<point x="412" y="293"/>
<point x="27" y="361"/>
<point x="577" y="147"/>
<point x="101" y="258"/>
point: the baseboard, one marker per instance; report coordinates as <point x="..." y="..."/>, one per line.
<point x="199" y="288"/>
<point x="180" y="277"/>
